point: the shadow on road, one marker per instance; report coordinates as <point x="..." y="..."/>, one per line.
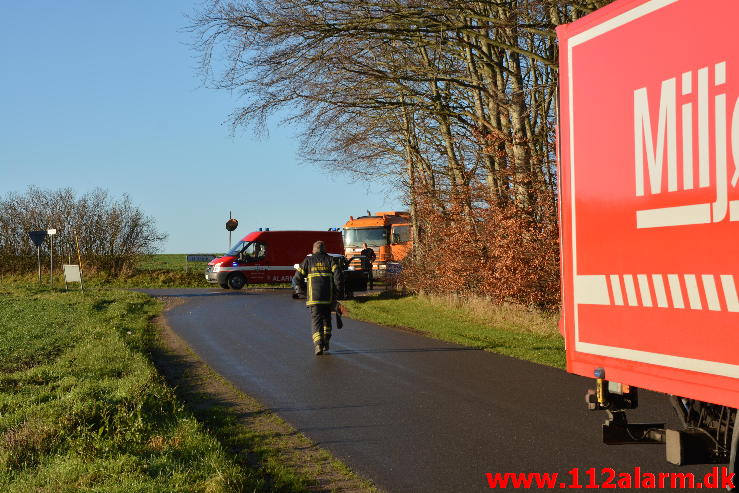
<point x="160" y="293"/>
<point x="325" y="428"/>
<point x="226" y="293"/>
<point x="401" y="350"/>
<point x="277" y="410"/>
<point x="200" y="292"/>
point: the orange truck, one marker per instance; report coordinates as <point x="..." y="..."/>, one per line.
<point x="387" y="233"/>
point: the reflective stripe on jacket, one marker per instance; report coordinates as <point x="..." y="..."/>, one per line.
<point x="323" y="275"/>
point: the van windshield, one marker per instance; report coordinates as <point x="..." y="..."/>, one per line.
<point x="354" y="237"/>
<point x="236" y="249"/>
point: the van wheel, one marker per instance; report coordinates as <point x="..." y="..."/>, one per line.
<point x="236" y="281"/>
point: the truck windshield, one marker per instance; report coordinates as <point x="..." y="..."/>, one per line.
<point x="372" y="236"/>
<point x="236" y="249"/>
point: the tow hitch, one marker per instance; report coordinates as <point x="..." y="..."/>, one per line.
<point x="615" y="399"/>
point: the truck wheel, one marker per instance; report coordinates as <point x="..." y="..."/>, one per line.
<point x="224" y="285"/>
<point x="236" y="281"/>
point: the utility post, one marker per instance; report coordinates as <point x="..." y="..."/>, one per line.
<point x="37" y="237"/>
<point x="231" y="225"/>
<point x="51" y="233"/>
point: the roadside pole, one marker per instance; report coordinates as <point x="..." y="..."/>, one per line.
<point x="79" y="258"/>
<point x="231" y="225"/>
<point x="51" y="233"/>
<point x="37" y="237"/>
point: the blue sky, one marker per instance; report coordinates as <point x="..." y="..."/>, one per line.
<point x="105" y="94"/>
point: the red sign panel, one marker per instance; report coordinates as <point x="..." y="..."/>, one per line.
<point x="649" y="167"/>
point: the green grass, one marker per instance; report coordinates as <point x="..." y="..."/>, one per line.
<point x="171" y="261"/>
<point x="506" y="329"/>
<point x="136" y="279"/>
<point x="161" y="271"/>
<point x="162" y="278"/>
<point x="152" y="271"/>
<point x="82" y="407"/>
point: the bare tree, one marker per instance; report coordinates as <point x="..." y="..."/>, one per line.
<point x="454" y="101"/>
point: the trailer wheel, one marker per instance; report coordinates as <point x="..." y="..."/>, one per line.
<point x="236" y="280"/>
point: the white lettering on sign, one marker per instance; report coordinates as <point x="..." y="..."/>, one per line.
<point x="199" y="258"/>
<point x="652" y="154"/>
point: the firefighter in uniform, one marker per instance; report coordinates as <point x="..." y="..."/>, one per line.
<point x="323" y="276"/>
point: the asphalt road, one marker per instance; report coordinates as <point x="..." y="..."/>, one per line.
<point x="408" y="412"/>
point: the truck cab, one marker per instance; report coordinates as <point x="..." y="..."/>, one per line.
<point x="387" y="233"/>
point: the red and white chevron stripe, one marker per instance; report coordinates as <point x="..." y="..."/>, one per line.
<point x="714" y="292"/>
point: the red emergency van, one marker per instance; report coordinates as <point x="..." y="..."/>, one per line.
<point x="268" y="257"/>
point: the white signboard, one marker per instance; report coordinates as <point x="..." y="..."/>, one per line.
<point x="200" y="258"/>
<point x="72" y="273"/>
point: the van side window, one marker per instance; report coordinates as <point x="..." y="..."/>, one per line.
<point x="254" y="252"/>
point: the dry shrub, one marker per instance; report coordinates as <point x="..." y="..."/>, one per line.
<point x="26" y="443"/>
<point x="505" y="253"/>
<point x="523" y="318"/>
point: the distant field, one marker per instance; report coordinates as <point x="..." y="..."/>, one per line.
<point x="171" y="261"/>
<point x="164" y="270"/>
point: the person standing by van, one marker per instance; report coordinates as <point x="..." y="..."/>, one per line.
<point x="324" y="282"/>
<point x="369" y="257"/>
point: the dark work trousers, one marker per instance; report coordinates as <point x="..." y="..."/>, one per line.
<point x="321" y="320"/>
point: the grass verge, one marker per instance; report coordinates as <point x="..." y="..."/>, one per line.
<point x="506" y="329"/>
<point x="82" y="406"/>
